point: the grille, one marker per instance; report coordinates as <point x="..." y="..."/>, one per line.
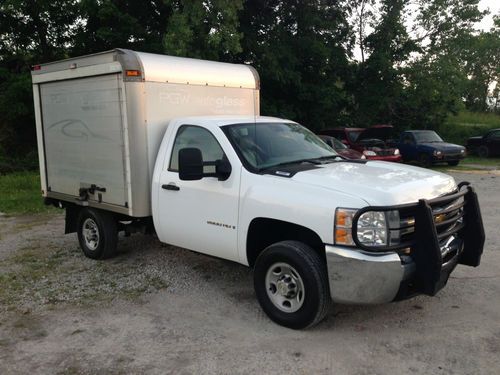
<point x="448" y="215"/>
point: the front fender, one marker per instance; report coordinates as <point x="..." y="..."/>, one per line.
<point x="282" y="198"/>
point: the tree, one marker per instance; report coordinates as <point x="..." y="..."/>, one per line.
<point x="300" y="49"/>
<point x="378" y="88"/>
<point x="482" y="65"/>
<point x="207" y="30"/>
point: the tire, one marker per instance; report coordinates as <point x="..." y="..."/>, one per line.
<point x="97" y="233"/>
<point x="483" y="151"/>
<point x="424" y="160"/>
<point x="453" y="163"/>
<point x="282" y="266"/>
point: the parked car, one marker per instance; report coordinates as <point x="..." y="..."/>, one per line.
<point x="373" y="142"/>
<point x="341" y="148"/>
<point x="427" y="148"/>
<point x="486" y="145"/>
<point x="128" y="142"/>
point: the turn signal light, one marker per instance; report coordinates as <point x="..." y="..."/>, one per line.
<point x="133" y="73"/>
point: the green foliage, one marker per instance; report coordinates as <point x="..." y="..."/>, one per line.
<point x="20" y="193"/>
<point x="301" y="50"/>
<point x="458" y="128"/>
<point x="205" y="30"/>
<point x="419" y="63"/>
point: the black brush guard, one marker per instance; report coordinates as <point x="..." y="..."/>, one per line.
<point x="424" y="244"/>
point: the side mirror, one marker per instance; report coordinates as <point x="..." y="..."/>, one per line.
<point x="190" y="164"/>
<point x="223" y="169"/>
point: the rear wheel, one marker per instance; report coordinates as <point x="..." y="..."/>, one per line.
<point x="483" y="151"/>
<point x="453" y="163"/>
<point x="97" y="233"/>
<point x="291" y="284"/>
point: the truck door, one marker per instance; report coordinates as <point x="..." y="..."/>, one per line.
<point x="199" y="215"/>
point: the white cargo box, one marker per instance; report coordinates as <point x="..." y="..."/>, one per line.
<point x="100" y="120"/>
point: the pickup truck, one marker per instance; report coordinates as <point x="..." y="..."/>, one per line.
<point x="486" y="145"/>
<point x="134" y="142"/>
<point x="427" y="148"/>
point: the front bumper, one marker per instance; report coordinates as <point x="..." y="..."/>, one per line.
<point x="423" y="266"/>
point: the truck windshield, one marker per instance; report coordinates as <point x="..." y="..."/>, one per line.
<point x="427" y="136"/>
<point x="266" y="145"/>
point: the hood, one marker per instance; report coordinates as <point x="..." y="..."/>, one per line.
<point x="382" y="132"/>
<point x="443" y="146"/>
<point x="379" y="183"/>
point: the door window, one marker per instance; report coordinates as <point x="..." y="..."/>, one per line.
<point x="196" y="137"/>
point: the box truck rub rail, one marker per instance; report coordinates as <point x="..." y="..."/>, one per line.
<point x="136" y="142"/>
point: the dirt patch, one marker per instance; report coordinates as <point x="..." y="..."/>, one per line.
<point x="163" y="310"/>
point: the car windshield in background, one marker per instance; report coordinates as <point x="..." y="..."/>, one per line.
<point x="427" y="136"/>
<point x="265" y="145"/>
<point x="337" y="144"/>
<point x="353" y="135"/>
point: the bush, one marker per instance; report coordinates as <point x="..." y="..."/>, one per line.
<point x="459" y="128"/>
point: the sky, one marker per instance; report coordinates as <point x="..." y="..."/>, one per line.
<point x="494" y="6"/>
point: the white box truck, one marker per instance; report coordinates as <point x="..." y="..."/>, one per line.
<point x="131" y="141"/>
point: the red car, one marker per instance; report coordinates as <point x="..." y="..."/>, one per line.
<point x="341" y="148"/>
<point x="373" y="142"/>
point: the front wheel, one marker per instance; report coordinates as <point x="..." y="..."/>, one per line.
<point x="291" y="283"/>
<point x="424" y="160"/>
<point x="483" y="151"/>
<point x="453" y="163"/>
<point x="97" y="233"/>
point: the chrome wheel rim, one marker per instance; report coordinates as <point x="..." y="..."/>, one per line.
<point x="90" y="233"/>
<point x="284" y="287"/>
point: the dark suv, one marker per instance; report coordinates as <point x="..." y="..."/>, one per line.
<point x="486" y="145"/>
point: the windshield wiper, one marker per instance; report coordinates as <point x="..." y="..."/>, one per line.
<point x="300" y="161"/>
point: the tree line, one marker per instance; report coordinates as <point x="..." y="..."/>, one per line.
<point x="323" y="63"/>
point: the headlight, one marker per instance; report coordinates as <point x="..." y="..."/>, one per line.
<point x="396" y="151"/>
<point x="369" y="153"/>
<point x="372" y="227"/>
<point x="363" y="157"/>
<point x="437" y="153"/>
<point x="462" y="151"/>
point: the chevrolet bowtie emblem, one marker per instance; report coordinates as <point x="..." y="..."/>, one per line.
<point x="439" y="218"/>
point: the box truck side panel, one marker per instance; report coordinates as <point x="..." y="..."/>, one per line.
<point x="165" y="101"/>
<point x="83" y="136"/>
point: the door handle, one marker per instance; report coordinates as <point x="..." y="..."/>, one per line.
<point x="171" y="186"/>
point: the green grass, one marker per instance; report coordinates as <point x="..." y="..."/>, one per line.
<point x="488" y="162"/>
<point x="20" y="194"/>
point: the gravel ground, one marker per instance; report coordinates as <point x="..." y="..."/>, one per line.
<point x="159" y="309"/>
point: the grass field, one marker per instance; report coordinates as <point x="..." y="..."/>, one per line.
<point x="488" y="162"/>
<point x="20" y="194"/>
